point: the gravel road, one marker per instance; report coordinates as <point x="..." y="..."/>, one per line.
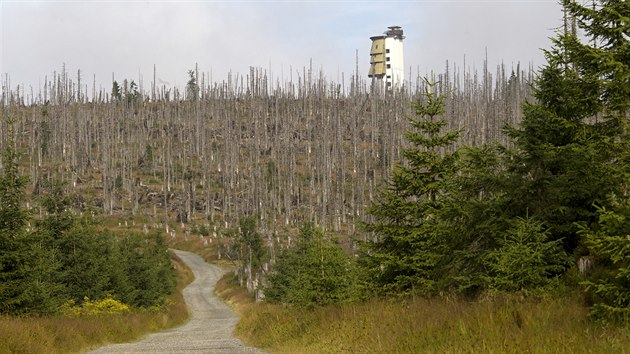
<point x="211" y="323"/>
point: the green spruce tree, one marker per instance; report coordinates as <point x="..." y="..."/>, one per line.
<point x="568" y="147"/>
<point x="473" y="218"/>
<point x="116" y="91"/>
<point x="525" y="259"/>
<point x="192" y="88"/>
<point x="13" y="219"/>
<point x="608" y="287"/>
<point x="408" y="245"/>
<point x="28" y="261"/>
<point x="148" y="268"/>
<point x="313" y="272"/>
<point x="607" y="60"/>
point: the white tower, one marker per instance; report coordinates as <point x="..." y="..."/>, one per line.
<point x="386" y="58"/>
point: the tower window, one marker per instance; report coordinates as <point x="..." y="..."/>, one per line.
<point x="389" y="76"/>
<point x="389" y="66"/>
<point x="387" y="58"/>
<point x="386" y="50"/>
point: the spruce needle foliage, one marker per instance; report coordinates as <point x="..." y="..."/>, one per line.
<point x="571" y="141"/>
<point x="408" y="244"/>
<point x="314" y="272"/>
<point x="609" y="288"/>
<point x="570" y="167"/>
<point x="68" y="258"/>
<point x="27" y="264"/>
<point x="509" y="219"/>
<point x="525" y="258"/>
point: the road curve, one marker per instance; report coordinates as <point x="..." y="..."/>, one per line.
<point x="211" y="323"/>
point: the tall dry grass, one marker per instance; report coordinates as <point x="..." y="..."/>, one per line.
<point x="500" y="325"/>
<point x="68" y="335"/>
<point x="234" y="295"/>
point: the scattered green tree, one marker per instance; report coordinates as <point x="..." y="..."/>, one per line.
<point x="192" y="88"/>
<point x="525" y="258"/>
<point x="608" y="286"/>
<point x="150" y="275"/>
<point x="132" y="95"/>
<point x="314" y="271"/>
<point x="571" y="139"/>
<point x="408" y="245"/>
<point x="27" y="264"/>
<point x="472" y="218"/>
<point x="116" y="91"/>
<point x="68" y="258"/>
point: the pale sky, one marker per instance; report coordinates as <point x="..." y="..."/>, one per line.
<point x="127" y="38"/>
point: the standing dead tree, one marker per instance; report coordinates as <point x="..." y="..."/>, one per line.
<point x="287" y="152"/>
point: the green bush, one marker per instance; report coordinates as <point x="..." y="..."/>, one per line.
<point x="609" y="244"/>
<point x="314" y="272"/>
<point x="526" y="258"/>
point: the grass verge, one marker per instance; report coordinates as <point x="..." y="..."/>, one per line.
<point x="504" y="325"/>
<point x="66" y="335"/>
<point x="236" y="296"/>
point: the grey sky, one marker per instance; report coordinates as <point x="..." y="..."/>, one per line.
<point x="128" y="37"/>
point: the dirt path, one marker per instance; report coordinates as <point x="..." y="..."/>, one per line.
<point x="211" y="323"/>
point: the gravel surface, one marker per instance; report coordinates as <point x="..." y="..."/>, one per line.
<point x="211" y="323"/>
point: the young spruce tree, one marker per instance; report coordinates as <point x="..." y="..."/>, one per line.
<point x="13" y="220"/>
<point x="313" y="272"/>
<point x="28" y="263"/>
<point x="570" y="140"/>
<point x="605" y="62"/>
<point x="608" y="288"/>
<point x="408" y="245"/>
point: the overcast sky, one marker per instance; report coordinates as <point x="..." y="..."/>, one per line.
<point x="127" y="38"/>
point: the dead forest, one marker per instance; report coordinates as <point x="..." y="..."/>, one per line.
<point x="305" y="149"/>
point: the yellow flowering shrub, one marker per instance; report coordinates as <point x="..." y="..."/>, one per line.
<point x="106" y="306"/>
